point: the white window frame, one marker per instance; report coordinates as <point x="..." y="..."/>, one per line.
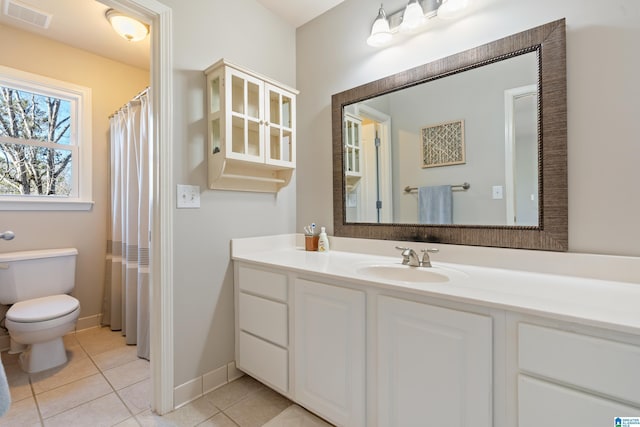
<point x="80" y="147"/>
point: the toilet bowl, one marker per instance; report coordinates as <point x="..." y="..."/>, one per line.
<point x="36" y="285"/>
<point x="39" y="325"/>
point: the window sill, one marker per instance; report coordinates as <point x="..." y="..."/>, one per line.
<point x="45" y="205"/>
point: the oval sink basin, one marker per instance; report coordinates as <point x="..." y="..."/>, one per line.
<point x="404" y="273"/>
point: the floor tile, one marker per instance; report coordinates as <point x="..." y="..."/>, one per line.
<point x="129" y="422"/>
<point x="149" y="419"/>
<point x="192" y="413"/>
<point x="258" y="408"/>
<point x="218" y="420"/>
<point x="73" y="347"/>
<point x="23" y="413"/>
<point x="73" y="370"/>
<point x="295" y="416"/>
<point x="116" y="357"/>
<point x="137" y="396"/>
<point x="63" y="398"/>
<point x="105" y="411"/>
<point x="18" y="381"/>
<point x="233" y="392"/>
<point x="127" y="374"/>
<point x="98" y="340"/>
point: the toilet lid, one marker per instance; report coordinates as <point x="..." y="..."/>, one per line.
<point x="40" y="309"/>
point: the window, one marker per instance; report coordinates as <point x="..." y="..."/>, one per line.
<point x="45" y="143"/>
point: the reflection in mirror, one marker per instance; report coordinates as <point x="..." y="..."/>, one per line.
<point x="506" y="138"/>
<point x="477" y="126"/>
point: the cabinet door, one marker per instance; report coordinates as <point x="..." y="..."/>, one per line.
<point x="434" y="366"/>
<point x="280" y="110"/>
<point x="329" y="350"/>
<point x="244" y="97"/>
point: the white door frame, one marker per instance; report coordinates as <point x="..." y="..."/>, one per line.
<point x="510" y="96"/>
<point x="386" y="192"/>
<point x="161" y="305"/>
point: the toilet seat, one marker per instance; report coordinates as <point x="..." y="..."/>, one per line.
<point x="42" y="309"/>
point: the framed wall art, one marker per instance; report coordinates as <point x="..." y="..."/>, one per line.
<point x="443" y="144"/>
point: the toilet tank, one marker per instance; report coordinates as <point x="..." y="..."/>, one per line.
<point x="34" y="274"/>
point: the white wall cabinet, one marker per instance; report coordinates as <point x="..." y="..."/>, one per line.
<point x="434" y="365"/>
<point x="330" y="351"/>
<point x="252" y="133"/>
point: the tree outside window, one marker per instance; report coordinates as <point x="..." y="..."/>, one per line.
<point x="45" y="143"/>
<point x="27" y="168"/>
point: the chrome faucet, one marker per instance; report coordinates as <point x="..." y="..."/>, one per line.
<point x="410" y="257"/>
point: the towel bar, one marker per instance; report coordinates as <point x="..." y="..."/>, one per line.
<point x="463" y="187"/>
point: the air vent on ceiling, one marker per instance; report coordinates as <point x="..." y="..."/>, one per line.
<point x="27" y="13"/>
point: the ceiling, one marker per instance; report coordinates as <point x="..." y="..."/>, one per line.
<point x="82" y="24"/>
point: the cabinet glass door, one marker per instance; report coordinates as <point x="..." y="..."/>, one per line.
<point x="351" y="145"/>
<point x="245" y="136"/>
<point x="280" y="125"/>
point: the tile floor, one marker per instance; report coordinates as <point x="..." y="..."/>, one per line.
<point x="105" y="384"/>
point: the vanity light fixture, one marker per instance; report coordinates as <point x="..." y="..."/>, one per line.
<point x="380" y="32"/>
<point x="128" y="28"/>
<point x="450" y="9"/>
<point x="412" y="18"/>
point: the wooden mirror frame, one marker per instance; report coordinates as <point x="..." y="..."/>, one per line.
<point x="549" y="41"/>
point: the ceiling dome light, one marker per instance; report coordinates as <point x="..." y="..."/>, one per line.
<point x="128" y="28"/>
<point x="380" y="33"/>
<point x="450" y="9"/>
<point x="413" y="16"/>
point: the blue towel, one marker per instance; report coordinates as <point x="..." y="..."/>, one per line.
<point x="435" y="205"/>
<point x="5" y="396"/>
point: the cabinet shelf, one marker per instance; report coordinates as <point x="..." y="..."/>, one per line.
<point x="252" y="135"/>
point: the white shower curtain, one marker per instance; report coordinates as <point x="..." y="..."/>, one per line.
<point x="126" y="297"/>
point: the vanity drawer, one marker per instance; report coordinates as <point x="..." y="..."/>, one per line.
<point x="262" y="282"/>
<point x="591" y="363"/>
<point x="266" y="361"/>
<point x="264" y="318"/>
<point x="545" y="404"/>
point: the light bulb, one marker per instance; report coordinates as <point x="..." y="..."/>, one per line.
<point x="413" y="16"/>
<point x="380" y="32"/>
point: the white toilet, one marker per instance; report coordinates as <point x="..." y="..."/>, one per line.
<point x="36" y="283"/>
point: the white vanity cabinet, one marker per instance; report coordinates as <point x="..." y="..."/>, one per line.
<point x="434" y="365"/>
<point x="252" y="130"/>
<point x="569" y="378"/>
<point x="329" y="348"/>
<point x="262" y="325"/>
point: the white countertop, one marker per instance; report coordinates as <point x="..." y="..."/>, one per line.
<point x="595" y="302"/>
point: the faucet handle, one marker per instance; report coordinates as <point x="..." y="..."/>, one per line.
<point x="405" y="254"/>
<point x="426" y="262"/>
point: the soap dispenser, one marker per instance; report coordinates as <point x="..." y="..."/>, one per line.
<point x="323" y="241"/>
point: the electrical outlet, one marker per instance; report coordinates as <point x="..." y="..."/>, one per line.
<point x="188" y="196"/>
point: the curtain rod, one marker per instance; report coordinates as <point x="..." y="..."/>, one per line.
<point x="143" y="92"/>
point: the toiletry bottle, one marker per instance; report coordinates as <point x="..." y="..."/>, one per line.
<point x="323" y="242"/>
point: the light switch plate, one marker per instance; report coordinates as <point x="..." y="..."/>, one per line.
<point x="188" y="196"/>
<point x="497" y="192"/>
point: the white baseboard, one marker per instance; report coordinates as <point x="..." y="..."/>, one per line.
<point x="88" y="322"/>
<point x="195" y="388"/>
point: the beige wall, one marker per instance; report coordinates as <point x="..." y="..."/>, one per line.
<point x="603" y="99"/>
<point x="112" y="85"/>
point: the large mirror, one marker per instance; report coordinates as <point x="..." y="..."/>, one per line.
<point x="469" y="149"/>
